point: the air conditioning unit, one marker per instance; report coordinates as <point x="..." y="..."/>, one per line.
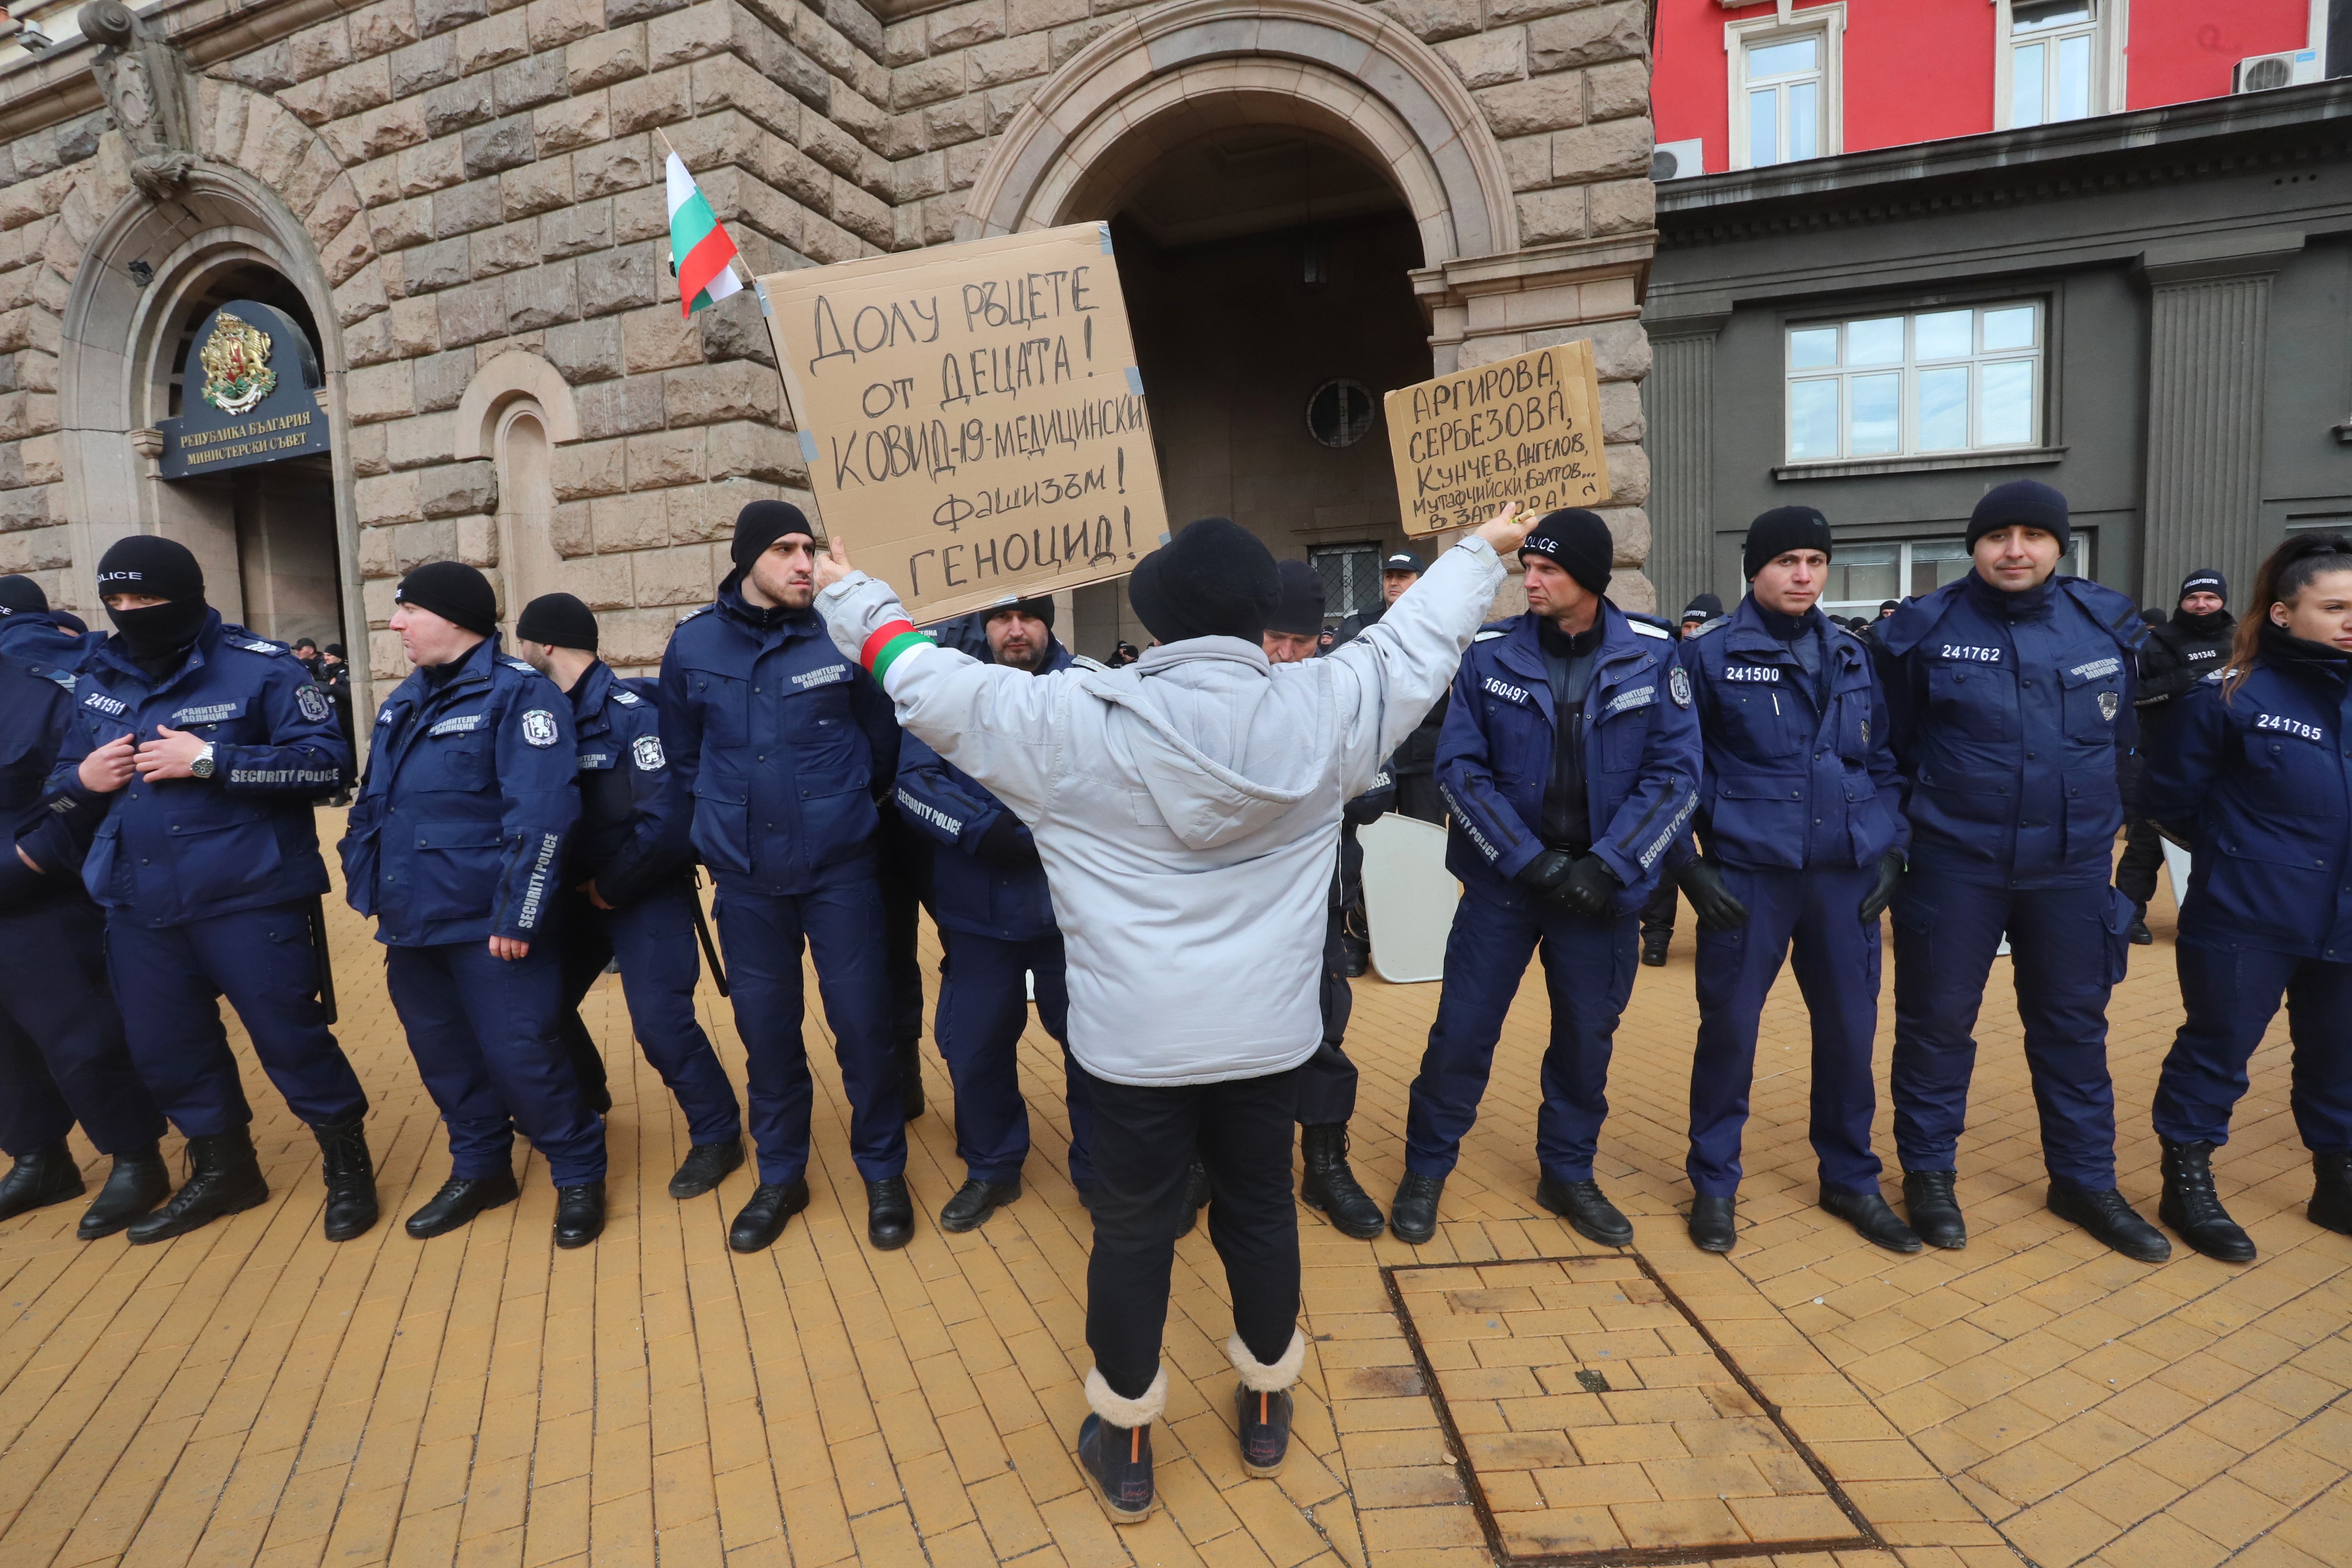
<point x="1678" y="160"/>
<point x="2290" y="67"/>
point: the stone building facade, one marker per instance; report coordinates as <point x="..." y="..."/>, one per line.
<point x="462" y="202"/>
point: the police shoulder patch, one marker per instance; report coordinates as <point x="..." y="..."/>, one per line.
<point x="539" y="727"/>
<point x="1643" y="628"/>
<point x="64" y="678"/>
<point x="255" y="645"/>
<point x="698" y="610"/>
<point x="1711" y="625"/>
<point x="647" y="751"/>
<point x="1678" y="686"/>
<point x="1489" y="635"/>
<point x="312" y="702"/>
<point x="626" y="698"/>
<point x="523" y="665"/>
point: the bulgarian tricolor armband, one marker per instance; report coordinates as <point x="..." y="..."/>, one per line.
<point x="890" y="642"/>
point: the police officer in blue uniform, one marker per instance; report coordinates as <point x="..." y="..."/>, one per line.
<point x="996" y="920"/>
<point x="32" y="631"/>
<point x="1801" y="834"/>
<point x="62" y="1056"/>
<point x="783" y="746"/>
<point x="1570" y="761"/>
<point x="2010" y="694"/>
<point x="2254" y="772"/>
<point x="214" y="744"/>
<point x="1327" y="1080"/>
<point x="629" y="887"/>
<point x="456" y="847"/>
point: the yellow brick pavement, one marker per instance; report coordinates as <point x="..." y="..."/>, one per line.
<point x="252" y="1395"/>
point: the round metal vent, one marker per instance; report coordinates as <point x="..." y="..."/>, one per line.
<point x="1341" y="412"/>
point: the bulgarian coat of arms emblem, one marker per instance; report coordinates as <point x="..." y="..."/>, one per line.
<point x="236" y="365"/>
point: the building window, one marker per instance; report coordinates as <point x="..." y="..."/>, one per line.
<point x="1962" y="380"/>
<point x="1351" y="577"/>
<point x="1784" y="86"/>
<point x="1864" y="576"/>
<point x="2050" y="61"/>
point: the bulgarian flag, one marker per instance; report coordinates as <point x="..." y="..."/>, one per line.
<point x="701" y="252"/>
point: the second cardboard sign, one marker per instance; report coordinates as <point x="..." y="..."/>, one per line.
<point x="1525" y="429"/>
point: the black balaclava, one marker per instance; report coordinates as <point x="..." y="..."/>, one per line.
<point x="761" y="524"/>
<point x="1213" y="579"/>
<point x="559" y="620"/>
<point x="22" y="596"/>
<point x="2205" y="580"/>
<point x="1300" y="612"/>
<point x="1776" y="533"/>
<point x="1577" y="542"/>
<point x="160" y="568"/>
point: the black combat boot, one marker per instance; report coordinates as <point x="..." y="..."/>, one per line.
<point x="579" y="1214"/>
<point x="763" y="1218"/>
<point x="351" y="1179"/>
<point x="43" y="1177"/>
<point x="975" y="1201"/>
<point x="1654" y="947"/>
<point x="2104" y="1213"/>
<point x="224" y="1178"/>
<point x="459" y="1200"/>
<point x="1331" y="1186"/>
<point x="138" y="1183"/>
<point x="890" y="1213"/>
<point x="1935" y="1212"/>
<point x="2331" y="1191"/>
<point x="2191" y="1206"/>
<point x="705" y="1167"/>
<point x="1587" y="1209"/>
<point x="1868" y="1214"/>
<point x="1412" y="1213"/>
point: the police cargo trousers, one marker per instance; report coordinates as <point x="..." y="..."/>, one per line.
<point x="660" y="964"/>
<point x="1589" y="968"/>
<point x="842" y="926"/>
<point x="983" y="1008"/>
<point x="1242" y="1130"/>
<point x="62" y="1056"/>
<point x="1836" y="965"/>
<point x="2231" y="991"/>
<point x="483" y="1031"/>
<point x="2068" y="947"/>
<point x="169" y="981"/>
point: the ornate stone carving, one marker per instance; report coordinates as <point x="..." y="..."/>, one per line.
<point x="146" y="84"/>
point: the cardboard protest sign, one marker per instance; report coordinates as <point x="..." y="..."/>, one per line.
<point x="971" y="415"/>
<point x="1525" y="429"/>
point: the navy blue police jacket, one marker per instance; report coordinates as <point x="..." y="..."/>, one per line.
<point x="950" y="807"/>
<point x="2009" y="714"/>
<point x="188" y="849"/>
<point x="1796" y="776"/>
<point x="780" y="743"/>
<point x="2258" y="784"/>
<point x="457" y="834"/>
<point x="1641" y="761"/>
<point x="51" y="824"/>
<point x="632" y="837"/>
<point x="45" y="638"/>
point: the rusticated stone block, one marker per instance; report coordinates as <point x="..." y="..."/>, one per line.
<point x="681" y="574"/>
<point x="1624" y="206"/>
<point x="586" y="350"/>
<point x="620" y="407"/>
<point x="583" y="470"/>
<point x="662" y="458"/>
<point x="601" y="583"/>
<point x="1551" y="215"/>
<point x="501" y="144"/>
<point x="543" y="297"/>
<point x="1613" y="149"/>
<point x="636" y="522"/>
<point x="1588" y="37"/>
<point x="456" y="488"/>
<point x="709" y="393"/>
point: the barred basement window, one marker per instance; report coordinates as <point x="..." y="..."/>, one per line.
<point x="1341" y="412"/>
<point x="1935" y="380"/>
<point x="1351" y="577"/>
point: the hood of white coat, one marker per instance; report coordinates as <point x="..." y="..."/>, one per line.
<point x="1226" y="745"/>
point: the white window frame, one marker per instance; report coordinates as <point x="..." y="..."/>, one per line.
<point x="1825" y="22"/>
<point x="1908" y="369"/>
<point x="2112" y="18"/>
<point x="1868" y="608"/>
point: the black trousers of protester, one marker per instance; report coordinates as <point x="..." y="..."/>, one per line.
<point x="1146" y="1141"/>
<point x="1327" y="1080"/>
<point x="1658" y="914"/>
<point x="2143" y="853"/>
<point x="1417" y="796"/>
<point x="904" y="867"/>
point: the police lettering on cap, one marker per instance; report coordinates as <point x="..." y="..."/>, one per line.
<point x="151" y="566"/>
<point x="2204" y="579"/>
<point x="1406" y="561"/>
<point x="1776" y="533"/>
<point x="1704" y="607"/>
<point x="21" y="595"/>
<point x="763" y="522"/>
<point x="559" y="620"/>
<point x="1578" y="541"/>
<point x="1300" y="611"/>
<point x="454" y="591"/>
<point x="2022" y="503"/>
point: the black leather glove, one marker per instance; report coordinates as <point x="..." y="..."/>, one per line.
<point x="1005" y="847"/>
<point x="1589" y="888"/>
<point x="1547" y="872"/>
<point x="1882" y="891"/>
<point x="1702" y="880"/>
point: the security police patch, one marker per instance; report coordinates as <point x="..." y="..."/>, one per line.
<point x="2109" y="703"/>
<point x="648" y="754"/>
<point x="1678" y="686"/>
<point x="313" y="703"/>
<point x="539" y="727"/>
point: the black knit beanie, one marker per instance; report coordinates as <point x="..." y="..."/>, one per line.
<point x="763" y="522"/>
<point x="559" y="620"/>
<point x="2022" y="503"/>
<point x="21" y="593"/>
<point x="1578" y="541"/>
<point x="1213" y="579"/>
<point x="2204" y="579"/>
<point x="1300" y="611"/>
<point x="1704" y="607"/>
<point x="1776" y="533"/>
<point x="1041" y="607"/>
<point x="453" y="590"/>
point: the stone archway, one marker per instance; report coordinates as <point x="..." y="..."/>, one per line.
<point x="1168" y="75"/>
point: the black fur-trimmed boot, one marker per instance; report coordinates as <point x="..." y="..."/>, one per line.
<point x="1263" y="1403"/>
<point x="1115" y="1446"/>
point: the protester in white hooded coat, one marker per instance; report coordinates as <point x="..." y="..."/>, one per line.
<point x="1187" y="809"/>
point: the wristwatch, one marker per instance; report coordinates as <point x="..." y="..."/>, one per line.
<point x="202" y="768"/>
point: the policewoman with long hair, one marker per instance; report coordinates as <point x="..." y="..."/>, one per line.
<point x="2256" y="775"/>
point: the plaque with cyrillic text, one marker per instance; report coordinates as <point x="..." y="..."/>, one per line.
<point x="1523" y="429"/>
<point x="971" y="415"/>
<point x="248" y="394"/>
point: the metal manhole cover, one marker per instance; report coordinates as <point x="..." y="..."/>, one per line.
<point x="1597" y="1422"/>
